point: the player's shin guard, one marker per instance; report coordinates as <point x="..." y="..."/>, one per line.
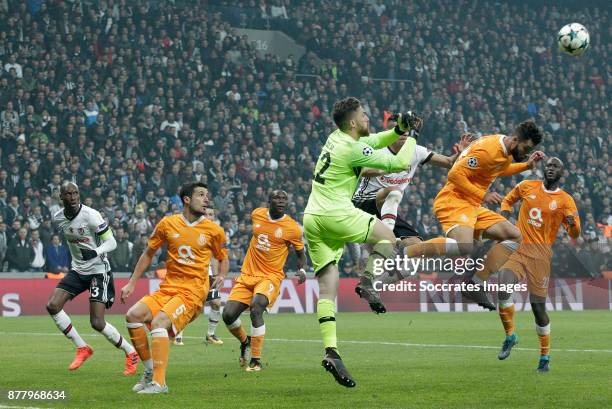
<point x="544" y="336"/>
<point x="139" y="338"/>
<point x="236" y="329"/>
<point x="257" y="340"/>
<point x="388" y="211"/>
<point x="435" y="247"/>
<point x="496" y="258"/>
<point x="213" y="320"/>
<point x="326" y="313"/>
<point x="506" y="313"/>
<point x="160" y="351"/>
<point x="115" y="338"/>
<point x="381" y="251"/>
<point x="62" y="321"/>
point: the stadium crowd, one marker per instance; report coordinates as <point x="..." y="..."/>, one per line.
<point x="129" y="99"/>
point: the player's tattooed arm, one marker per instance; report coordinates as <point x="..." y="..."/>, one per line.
<point x="301" y="265"/>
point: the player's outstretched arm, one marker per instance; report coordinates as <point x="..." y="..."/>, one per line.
<point x="447" y="162"/>
<point x="515" y="168"/>
<point x="141" y="266"/>
<point x="571" y="222"/>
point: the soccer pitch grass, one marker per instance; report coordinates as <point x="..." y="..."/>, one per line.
<point x="399" y="360"/>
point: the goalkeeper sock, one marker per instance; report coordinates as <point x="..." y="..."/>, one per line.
<point x="326" y="313"/>
<point x="496" y="258"/>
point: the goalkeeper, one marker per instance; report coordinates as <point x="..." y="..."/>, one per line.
<point x="331" y="219"/>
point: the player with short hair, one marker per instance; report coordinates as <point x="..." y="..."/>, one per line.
<point x="380" y="193"/>
<point x="544" y="208"/>
<point x="89" y="239"/>
<point x="458" y="206"/>
<point x="262" y="273"/>
<point x="213" y="299"/>
<point x="192" y="240"/>
<point x="331" y="219"/>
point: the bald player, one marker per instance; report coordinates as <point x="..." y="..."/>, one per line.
<point x="544" y="208"/>
<point x="89" y="239"/>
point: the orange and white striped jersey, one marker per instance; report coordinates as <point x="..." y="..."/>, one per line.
<point x="478" y="166"/>
<point x="542" y="212"/>
<point x="190" y="248"/>
<point x="270" y="243"/>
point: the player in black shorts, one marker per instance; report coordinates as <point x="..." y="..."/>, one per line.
<point x="89" y="239"/>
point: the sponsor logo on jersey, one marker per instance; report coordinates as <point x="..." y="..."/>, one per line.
<point x="79" y="240"/>
<point x="186" y="255"/>
<point x="263" y="242"/>
<point x="472" y="162"/>
<point x="535" y="217"/>
<point x="395" y="181"/>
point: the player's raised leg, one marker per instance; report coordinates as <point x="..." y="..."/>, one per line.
<point x="542" y="321"/>
<point x="136" y="317"/>
<point x="55" y="307"/>
<point x="258" y="330"/>
<point x="231" y="318"/>
<point x="506" y="312"/>
<point x="96" y="317"/>
<point x="383" y="239"/>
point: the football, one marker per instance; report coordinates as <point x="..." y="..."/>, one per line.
<point x="573" y="39"/>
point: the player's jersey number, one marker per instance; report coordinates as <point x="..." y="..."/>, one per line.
<point x="326" y="157"/>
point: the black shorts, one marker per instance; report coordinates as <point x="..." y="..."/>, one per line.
<point x="101" y="286"/>
<point x="402" y="228"/>
<point x="213" y="293"/>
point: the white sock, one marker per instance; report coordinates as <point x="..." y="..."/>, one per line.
<point x="388" y="211"/>
<point x="213" y="321"/>
<point x="62" y="320"/>
<point x="115" y="338"/>
<point x="255" y="332"/>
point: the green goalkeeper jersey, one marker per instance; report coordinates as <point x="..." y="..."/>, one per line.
<point x="339" y="166"/>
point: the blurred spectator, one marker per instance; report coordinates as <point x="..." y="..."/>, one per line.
<point x="58" y="256"/>
<point x="39" y="251"/>
<point x="3" y="244"/>
<point x="20" y="252"/>
<point x="121" y="257"/>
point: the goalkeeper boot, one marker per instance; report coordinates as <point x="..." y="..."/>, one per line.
<point x="544" y="364"/>
<point x="366" y="290"/>
<point x="509" y="342"/>
<point x="245" y="349"/>
<point x="333" y="363"/>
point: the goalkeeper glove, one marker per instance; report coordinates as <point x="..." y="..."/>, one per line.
<point x="88" y="254"/>
<point x="408" y="122"/>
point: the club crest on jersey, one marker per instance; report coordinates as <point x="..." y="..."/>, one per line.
<point x="202" y="239"/>
<point x="367" y="151"/>
<point x="472" y="162"/>
<point x="278" y="233"/>
<point x="81" y="230"/>
<point x="552" y="205"/>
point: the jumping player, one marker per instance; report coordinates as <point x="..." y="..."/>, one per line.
<point x="331" y="219"/>
<point x="89" y="240"/>
<point x="544" y="207"/>
<point x="262" y="273"/>
<point x="192" y="240"/>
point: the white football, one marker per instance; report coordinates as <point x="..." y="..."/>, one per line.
<point x="573" y="39"/>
